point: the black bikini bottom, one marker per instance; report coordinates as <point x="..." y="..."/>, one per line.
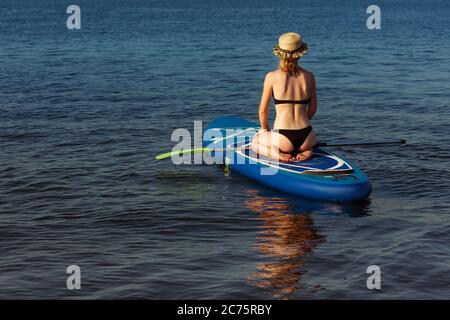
<point x="296" y="136"/>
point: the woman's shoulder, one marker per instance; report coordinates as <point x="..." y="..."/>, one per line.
<point x="272" y="73"/>
<point x="307" y="72"/>
<point x="271" y="76"/>
<point x="278" y="73"/>
<point x="275" y="74"/>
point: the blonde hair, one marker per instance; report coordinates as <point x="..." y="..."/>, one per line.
<point x="289" y="58"/>
<point x="290" y="66"/>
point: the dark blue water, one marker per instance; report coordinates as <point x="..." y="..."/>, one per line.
<point x="83" y="113"/>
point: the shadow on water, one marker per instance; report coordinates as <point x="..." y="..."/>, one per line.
<point x="288" y="237"/>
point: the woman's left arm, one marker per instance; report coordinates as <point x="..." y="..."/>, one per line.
<point x="312" y="106"/>
<point x="265" y="102"/>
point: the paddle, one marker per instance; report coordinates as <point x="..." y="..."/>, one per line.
<point x="360" y="144"/>
<point x="319" y="144"/>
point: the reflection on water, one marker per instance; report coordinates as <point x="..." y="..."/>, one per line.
<point x="287" y="237"/>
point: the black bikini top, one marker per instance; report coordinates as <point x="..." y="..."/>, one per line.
<point x="289" y="101"/>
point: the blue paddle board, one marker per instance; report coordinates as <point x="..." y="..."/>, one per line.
<point x="324" y="176"/>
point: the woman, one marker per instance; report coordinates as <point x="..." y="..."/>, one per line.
<point x="294" y="92"/>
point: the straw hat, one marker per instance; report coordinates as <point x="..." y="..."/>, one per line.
<point x="290" y="46"/>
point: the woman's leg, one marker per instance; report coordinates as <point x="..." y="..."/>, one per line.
<point x="273" y="145"/>
<point x="306" y="148"/>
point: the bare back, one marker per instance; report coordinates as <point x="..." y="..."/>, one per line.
<point x="301" y="87"/>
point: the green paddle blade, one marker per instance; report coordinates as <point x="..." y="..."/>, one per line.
<point x="178" y="152"/>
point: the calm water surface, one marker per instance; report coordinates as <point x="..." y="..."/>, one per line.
<point x="83" y="114"/>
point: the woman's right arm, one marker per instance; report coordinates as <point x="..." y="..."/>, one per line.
<point x="312" y="106"/>
<point x="265" y="102"/>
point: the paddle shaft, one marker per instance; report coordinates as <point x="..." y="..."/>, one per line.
<point x="319" y="144"/>
<point x="337" y="144"/>
<point x="344" y="144"/>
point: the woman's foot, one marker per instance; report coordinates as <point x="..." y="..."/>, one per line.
<point x="280" y="156"/>
<point x="287" y="157"/>
<point x="304" y="155"/>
